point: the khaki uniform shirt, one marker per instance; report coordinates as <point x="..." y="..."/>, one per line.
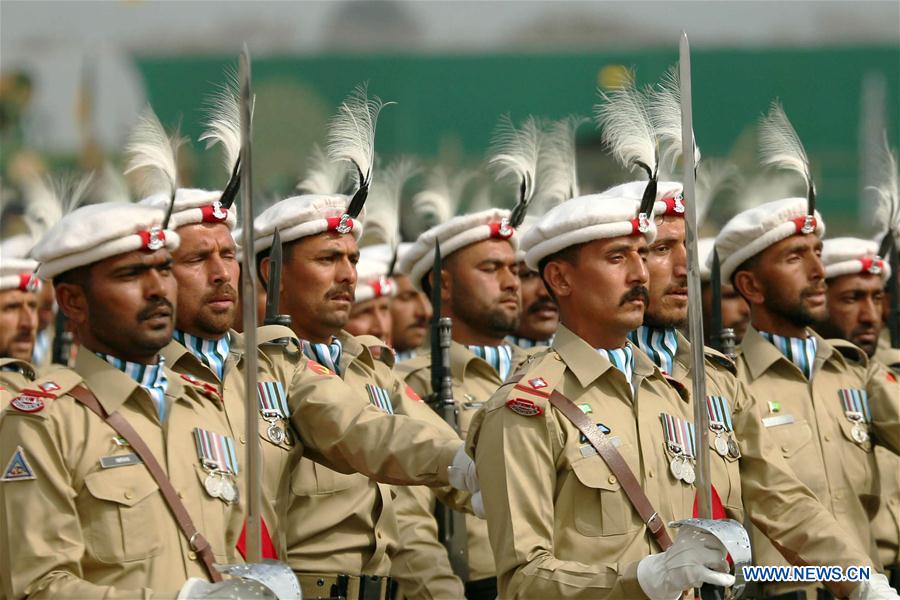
<point x="273" y="366"/>
<point x="79" y="530"/>
<point x="886" y="524"/>
<point x="559" y="521"/>
<point x="760" y="481"/>
<point x="16" y="374"/>
<point x="341" y="523"/>
<point x="474" y="382"/>
<point x="815" y="437"/>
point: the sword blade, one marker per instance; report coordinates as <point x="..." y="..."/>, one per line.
<point x="248" y="290"/>
<point x="695" y="309"/>
<point x="273" y="286"/>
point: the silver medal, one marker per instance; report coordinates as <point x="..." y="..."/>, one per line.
<point x="275" y="433"/>
<point x="721" y="444"/>
<point x="213" y="485"/>
<point x="675" y="466"/>
<point x="688" y="475"/>
<point x="229" y="490"/>
<point x="733" y="449"/>
<point x="859" y="433"/>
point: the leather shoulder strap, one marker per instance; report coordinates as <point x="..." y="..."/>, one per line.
<point x="617" y="465"/>
<point x="196" y="540"/>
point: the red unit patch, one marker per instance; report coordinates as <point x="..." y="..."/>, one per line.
<point x="524" y="407"/>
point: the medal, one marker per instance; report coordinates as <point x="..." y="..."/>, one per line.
<point x="856" y="408"/>
<point x="721" y="444"/>
<point x="733" y="450"/>
<point x="719" y="422"/>
<point x="275" y="433"/>
<point x="229" y="490"/>
<point x="675" y="466"/>
<point x="687" y="474"/>
<point x="213" y="485"/>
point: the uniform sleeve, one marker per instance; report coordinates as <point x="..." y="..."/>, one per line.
<point x="516" y="458"/>
<point x="884" y="401"/>
<point x="337" y="425"/>
<point x="39" y="526"/>
<point x="781" y="506"/>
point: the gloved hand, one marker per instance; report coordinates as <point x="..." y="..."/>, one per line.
<point x="876" y="588"/>
<point x="462" y="472"/>
<point x="478" y="505"/>
<point x="695" y="558"/>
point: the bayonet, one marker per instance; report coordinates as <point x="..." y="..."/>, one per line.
<point x="722" y="338"/>
<point x="248" y="292"/>
<point x="273" y="285"/>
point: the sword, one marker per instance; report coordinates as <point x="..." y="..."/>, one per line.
<point x="451" y="523"/>
<point x="248" y="291"/>
<point x="695" y="308"/>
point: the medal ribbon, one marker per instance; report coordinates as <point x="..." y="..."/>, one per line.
<point x="856" y="401"/>
<point x="272" y="399"/>
<point x="717" y="406"/>
<point x="380" y="398"/>
<point x="216" y="449"/>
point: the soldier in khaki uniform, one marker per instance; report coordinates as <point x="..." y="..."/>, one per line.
<point x="480" y="293"/>
<point x="856" y="276"/>
<point x="102" y="528"/>
<point x="539" y="317"/>
<point x="559" y="521"/>
<point x="340" y="527"/>
<point x="749" y="474"/>
<point x="19" y="289"/>
<point x="827" y="405"/>
<point x="410" y="313"/>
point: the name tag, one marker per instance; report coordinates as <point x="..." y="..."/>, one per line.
<point x="778" y="420"/>
<point x="119" y="460"/>
<point x="588" y="450"/>
<point x="473" y="404"/>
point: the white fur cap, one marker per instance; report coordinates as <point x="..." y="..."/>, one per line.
<point x="752" y="231"/>
<point x="302" y="216"/>
<point x="96" y="232"/>
<point x="458" y="232"/>
<point x="850" y="256"/>
<point x="194" y="206"/>
<point x="371" y="273"/>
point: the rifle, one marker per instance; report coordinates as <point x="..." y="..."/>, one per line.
<point x="451" y="523"/>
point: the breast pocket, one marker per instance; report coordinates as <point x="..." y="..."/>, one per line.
<point x="121" y="514"/>
<point x="600" y="505"/>
<point x="858" y="458"/>
<point x="792" y="439"/>
<point x="312" y="479"/>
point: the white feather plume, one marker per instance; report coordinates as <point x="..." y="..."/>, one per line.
<point x="153" y="156"/>
<point x="351" y="133"/>
<point x="626" y="128"/>
<point x="223" y="123"/>
<point x="48" y="199"/>
<point x="779" y="144"/>
<point x="714" y="176"/>
<point x="438" y="201"/>
<point x="887" y="193"/>
<point x="557" y="171"/>
<point x="514" y="152"/>
<point x="324" y="176"/>
<point x="665" y="114"/>
<point x="382" y="224"/>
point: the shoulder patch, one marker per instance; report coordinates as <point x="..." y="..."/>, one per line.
<point x="31" y="401"/>
<point x="18" y="469"/>
<point x="890" y="377"/>
<point x="524" y="407"/>
<point x="207" y="389"/>
<point x="411" y="394"/>
<point x="318" y="368"/>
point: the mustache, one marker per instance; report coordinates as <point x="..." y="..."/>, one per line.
<point x="225" y="292"/>
<point x="638" y="292"/>
<point x="812" y="290"/>
<point x="340" y="290"/>
<point x="151" y="308"/>
<point x="541" y="304"/>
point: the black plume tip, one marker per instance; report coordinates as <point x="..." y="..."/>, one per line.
<point x="165" y="223"/>
<point x="358" y="201"/>
<point x="233" y="186"/>
<point x="649" y="198"/>
<point x="811" y="199"/>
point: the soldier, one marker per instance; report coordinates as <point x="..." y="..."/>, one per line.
<point x="104" y="527"/>
<point x="735" y="310"/>
<point x="559" y="519"/>
<point x="825" y="400"/>
<point x="19" y="288"/>
<point x="540" y="316"/>
<point x="410" y="313"/>
<point x="855" y="275"/>
<point x="341" y="528"/>
<point x="747" y="468"/>
<point x="371" y="312"/>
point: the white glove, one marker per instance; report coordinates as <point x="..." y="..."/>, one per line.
<point x="876" y="588"/>
<point x="695" y="558"/>
<point x="462" y="472"/>
<point x="478" y="506"/>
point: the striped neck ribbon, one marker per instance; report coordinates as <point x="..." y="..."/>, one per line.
<point x="499" y="357"/>
<point x="800" y="351"/>
<point x="150" y="377"/>
<point x="328" y="355"/>
<point x="659" y="343"/>
<point x="212" y="353"/>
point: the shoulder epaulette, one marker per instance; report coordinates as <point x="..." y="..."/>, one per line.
<point x="850" y="351"/>
<point x="719" y="359"/>
<point x="277" y="335"/>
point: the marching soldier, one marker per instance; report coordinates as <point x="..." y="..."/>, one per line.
<point x="410" y="313"/>
<point x="748" y="473"/>
<point x="371" y="312"/>
<point x="855" y="275"/>
<point x="540" y="316"/>
<point x="104" y="527"/>
<point x="827" y="405"/>
<point x="342" y="528"/>
<point x="19" y="288"/>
